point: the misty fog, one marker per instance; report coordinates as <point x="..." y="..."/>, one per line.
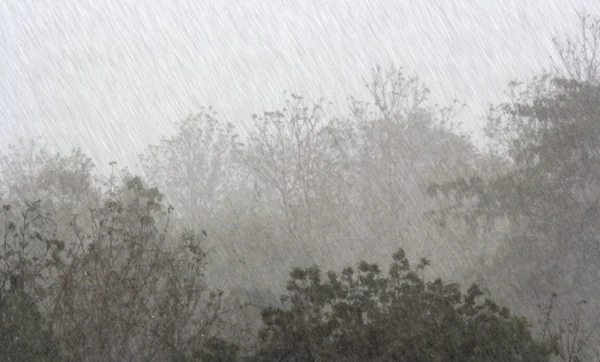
<point x="179" y="177"/>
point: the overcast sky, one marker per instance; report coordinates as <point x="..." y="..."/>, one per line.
<point x="112" y="76"/>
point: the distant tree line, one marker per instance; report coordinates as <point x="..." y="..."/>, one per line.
<point x="181" y="263"/>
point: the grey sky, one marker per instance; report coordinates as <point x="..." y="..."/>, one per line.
<point x="112" y="75"/>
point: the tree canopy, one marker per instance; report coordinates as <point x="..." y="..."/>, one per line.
<point x="544" y="208"/>
<point x="362" y="314"/>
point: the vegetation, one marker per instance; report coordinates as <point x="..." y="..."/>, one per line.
<point x="545" y="206"/>
<point x="185" y="263"/>
<point x="362" y="315"/>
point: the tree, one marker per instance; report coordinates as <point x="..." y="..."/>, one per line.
<point x="211" y="194"/>
<point x="298" y="158"/>
<point x="30" y="257"/>
<point x="65" y="186"/>
<point x="362" y="315"/>
<point x="546" y="204"/>
<point x="578" y="58"/>
<point x="194" y="167"/>
<point x="134" y="292"/>
<point x="207" y="191"/>
<point x="405" y="143"/>
<point x="124" y="285"/>
<point x="23" y="335"/>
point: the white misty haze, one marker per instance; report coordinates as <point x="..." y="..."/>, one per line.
<point x="112" y="76"/>
<point x="190" y="96"/>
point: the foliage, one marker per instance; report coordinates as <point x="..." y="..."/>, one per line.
<point x="545" y="207"/>
<point x="194" y="166"/>
<point x="296" y="156"/>
<point x="23" y="335"/>
<point x="30" y="172"/>
<point x="125" y="288"/>
<point x="128" y="273"/>
<point x="404" y="143"/>
<point x="64" y="185"/>
<point x="362" y="315"/>
<point x="195" y="170"/>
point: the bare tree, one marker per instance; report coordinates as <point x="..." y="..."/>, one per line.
<point x="579" y="58"/>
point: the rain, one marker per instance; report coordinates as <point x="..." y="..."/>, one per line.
<point x="299" y="181"/>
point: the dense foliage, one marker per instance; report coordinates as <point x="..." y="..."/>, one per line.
<point x="363" y="315"/>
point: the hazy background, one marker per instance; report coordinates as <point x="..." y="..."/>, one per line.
<point x="112" y="76"/>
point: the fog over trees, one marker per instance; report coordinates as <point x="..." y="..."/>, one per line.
<point x="380" y="234"/>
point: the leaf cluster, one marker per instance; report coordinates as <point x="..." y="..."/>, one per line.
<point x="364" y="315"/>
